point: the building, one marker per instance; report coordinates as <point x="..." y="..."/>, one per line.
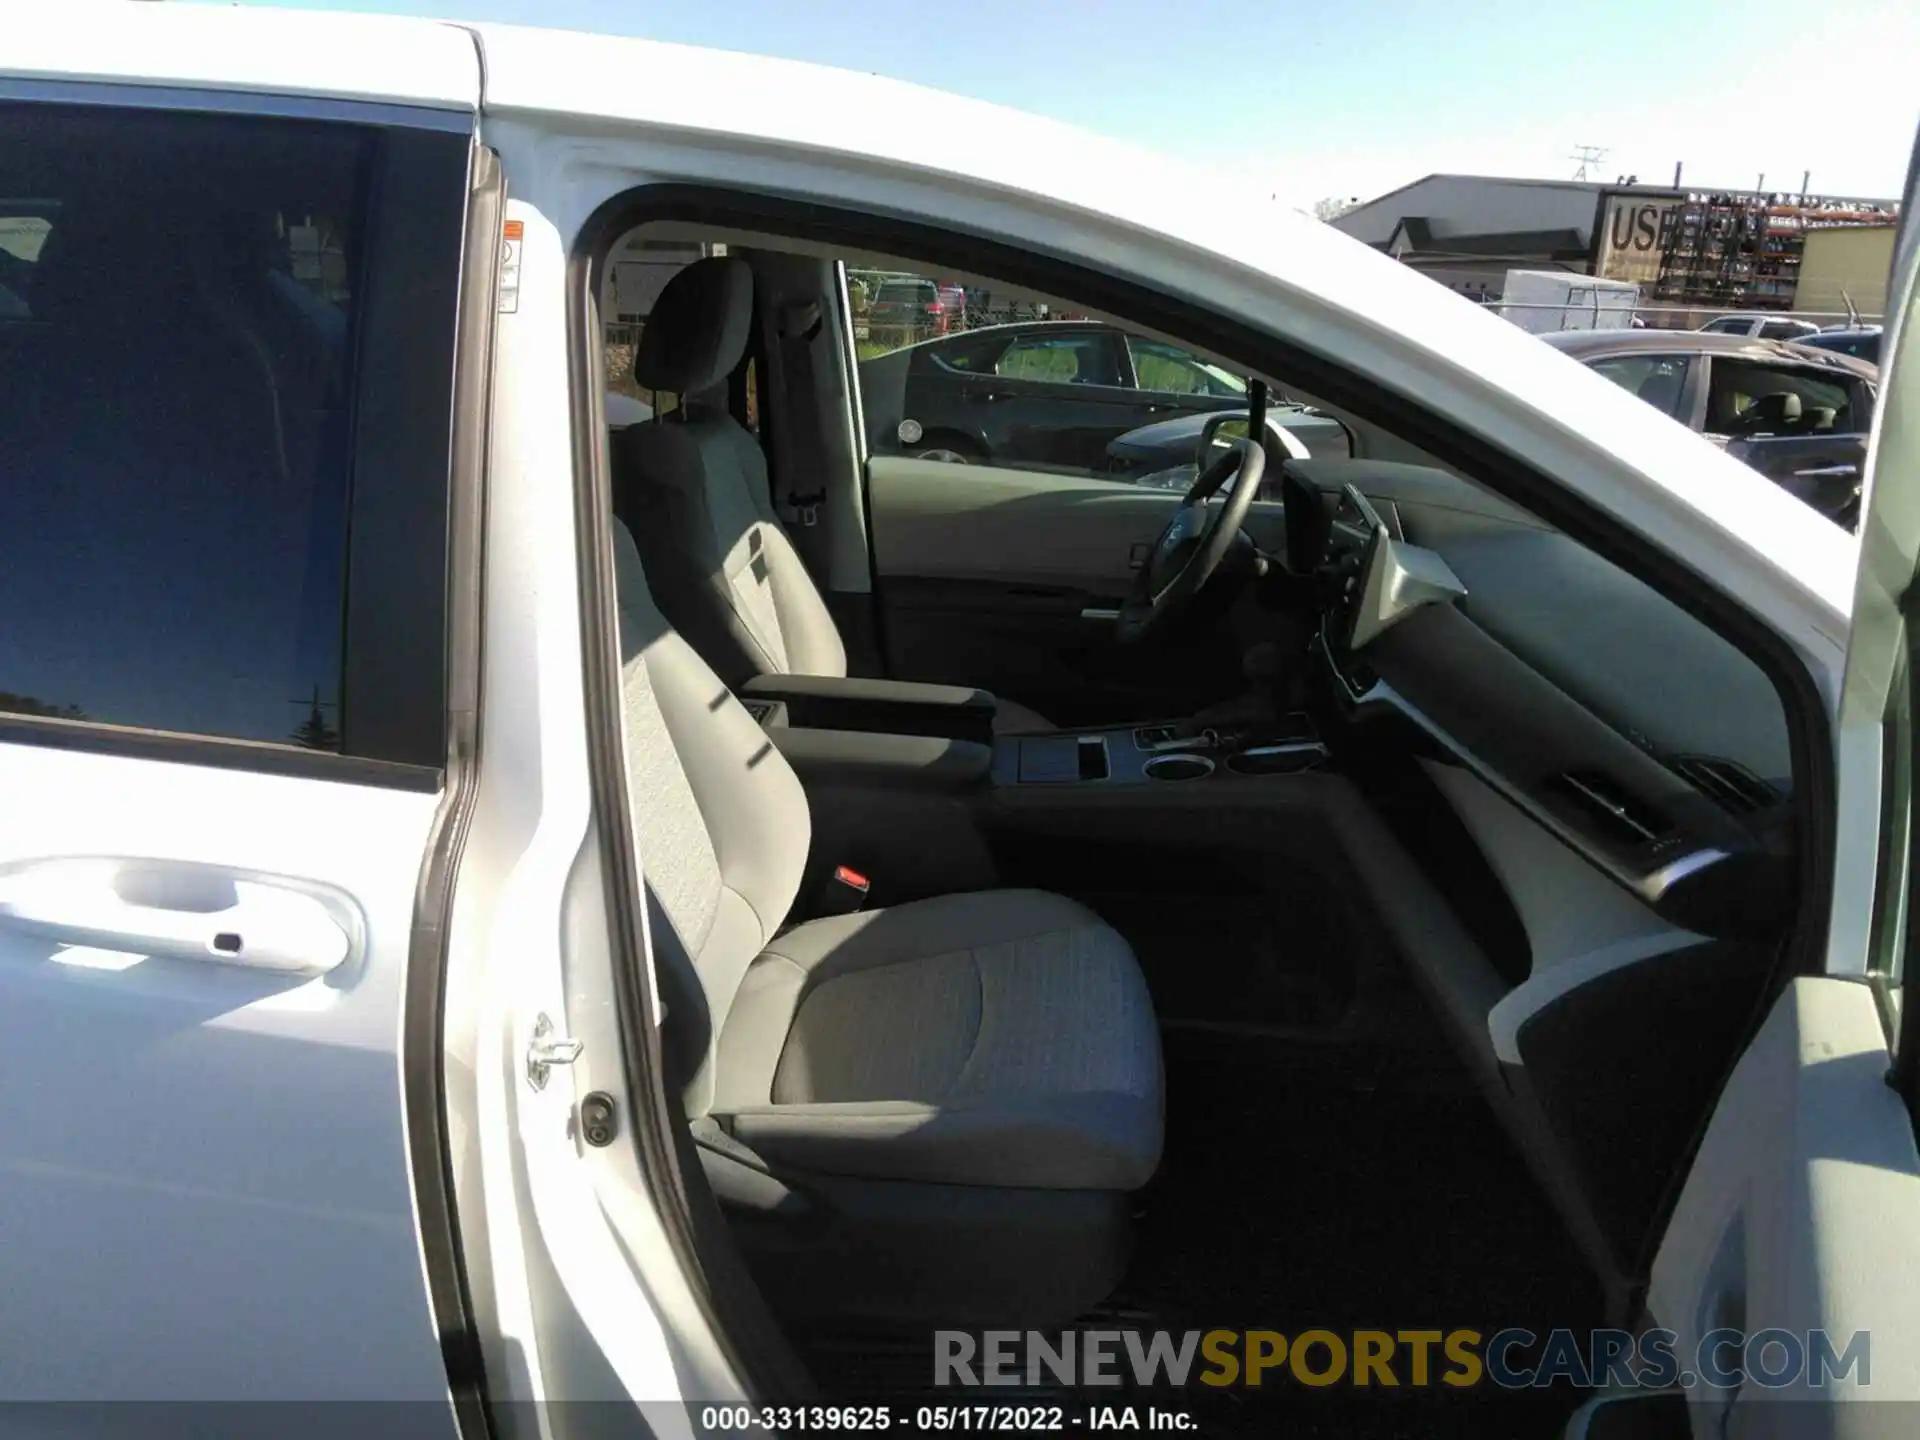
<point x="1467" y="231"/>
<point x="1845" y="263"/>
<point x="1684" y="248"/>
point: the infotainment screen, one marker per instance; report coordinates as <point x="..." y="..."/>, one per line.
<point x="1359" y="531"/>
<point x="1355" y="516"/>
<point x="1382" y="578"/>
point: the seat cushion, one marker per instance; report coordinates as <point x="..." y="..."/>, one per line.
<point x="997" y="1038"/>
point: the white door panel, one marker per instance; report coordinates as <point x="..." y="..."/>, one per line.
<point x="1800" y="1211"/>
<point x="208" y="1160"/>
<point x="1802" y="1208"/>
<point x="223" y="663"/>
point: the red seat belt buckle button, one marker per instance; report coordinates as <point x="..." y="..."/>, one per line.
<point x="846" y="891"/>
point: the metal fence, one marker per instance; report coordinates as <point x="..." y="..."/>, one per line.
<point x="877" y="337"/>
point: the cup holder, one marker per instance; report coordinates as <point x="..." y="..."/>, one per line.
<point x="1179" y="767"/>
<point x="1276" y="759"/>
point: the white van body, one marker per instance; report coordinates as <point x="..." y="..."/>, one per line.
<point x="1543" y="301"/>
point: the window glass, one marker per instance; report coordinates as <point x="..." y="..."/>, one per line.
<point x="180" y="295"/>
<point x="975" y="356"/>
<point x="1861" y="347"/>
<point x="637" y="272"/>
<point x="1170" y="370"/>
<point x="1082" y="358"/>
<point x="1749" y="399"/>
<point x="1021" y="381"/>
<point x="25" y="223"/>
<point x="1657" y="379"/>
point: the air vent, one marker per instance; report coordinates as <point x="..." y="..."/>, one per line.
<point x="1609" y="808"/>
<point x="1726" y="783"/>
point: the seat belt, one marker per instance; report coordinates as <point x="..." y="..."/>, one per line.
<point x="799" y="328"/>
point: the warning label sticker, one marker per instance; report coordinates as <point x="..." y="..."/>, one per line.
<point x="510" y="266"/>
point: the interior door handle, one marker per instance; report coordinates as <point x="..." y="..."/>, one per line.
<point x="181" y="910"/>
<point x="1820" y="472"/>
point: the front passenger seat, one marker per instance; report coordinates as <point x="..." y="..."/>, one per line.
<point x="693" y="487"/>
<point x="931" y="1113"/>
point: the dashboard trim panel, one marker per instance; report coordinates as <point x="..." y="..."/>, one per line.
<point x="1650" y="886"/>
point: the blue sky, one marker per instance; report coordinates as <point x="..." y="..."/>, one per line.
<point x="1353" y="97"/>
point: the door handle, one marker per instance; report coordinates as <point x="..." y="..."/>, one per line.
<point x="1828" y="472"/>
<point x="180" y="910"/>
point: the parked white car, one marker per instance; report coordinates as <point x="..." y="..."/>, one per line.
<point x="493" y="914"/>
<point x="1761" y="324"/>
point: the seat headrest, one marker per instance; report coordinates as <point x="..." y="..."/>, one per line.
<point x="698" y="329"/>
<point x="1780" y="408"/>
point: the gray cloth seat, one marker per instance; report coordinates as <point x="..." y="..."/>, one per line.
<point x="995" y="1038"/>
<point x="965" y="1057"/>
<point x="693" y="487"/>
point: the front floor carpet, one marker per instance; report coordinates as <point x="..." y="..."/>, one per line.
<point x="1313" y="1188"/>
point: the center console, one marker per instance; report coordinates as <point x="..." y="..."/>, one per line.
<point x="891" y="707"/>
<point x="1157" y="754"/>
<point x="909" y="786"/>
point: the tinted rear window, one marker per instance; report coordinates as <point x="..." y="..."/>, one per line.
<point x="177" y="309"/>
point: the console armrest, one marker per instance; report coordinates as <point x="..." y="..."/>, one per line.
<point x="894" y="707"/>
<point x="833" y="758"/>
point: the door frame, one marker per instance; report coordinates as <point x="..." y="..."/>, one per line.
<point x="1809" y="712"/>
<point x="435" y="1099"/>
<point x="1558" y="502"/>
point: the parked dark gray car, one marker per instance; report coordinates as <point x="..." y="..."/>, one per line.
<point x="1798" y="415"/>
<point x="1861" y="342"/>
<point x="1049" y="394"/>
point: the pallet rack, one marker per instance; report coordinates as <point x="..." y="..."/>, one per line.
<point x="1743" y="251"/>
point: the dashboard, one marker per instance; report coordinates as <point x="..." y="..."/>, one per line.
<point x="1688" y="827"/>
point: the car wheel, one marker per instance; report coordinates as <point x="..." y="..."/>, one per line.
<point x="950" y="448"/>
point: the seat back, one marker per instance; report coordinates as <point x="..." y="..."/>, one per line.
<point x="719" y="819"/>
<point x="1771" y="414"/>
<point x="1663" y="386"/>
<point x="693" y="487"/>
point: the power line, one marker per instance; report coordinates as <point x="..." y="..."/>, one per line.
<point x="1589" y="157"/>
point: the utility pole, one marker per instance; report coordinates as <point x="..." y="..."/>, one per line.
<point x="1589" y="157"/>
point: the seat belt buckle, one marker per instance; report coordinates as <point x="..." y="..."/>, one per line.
<point x="845" y="892"/>
<point x="808" y="506"/>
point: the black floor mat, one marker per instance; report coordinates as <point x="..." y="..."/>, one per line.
<point x="1341" y="1192"/>
<point x="1259" y="957"/>
<point x="1305" y="1188"/>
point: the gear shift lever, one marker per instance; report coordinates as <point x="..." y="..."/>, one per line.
<point x="1260" y="667"/>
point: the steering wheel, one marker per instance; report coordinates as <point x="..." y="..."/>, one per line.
<point x="1194" y="543"/>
